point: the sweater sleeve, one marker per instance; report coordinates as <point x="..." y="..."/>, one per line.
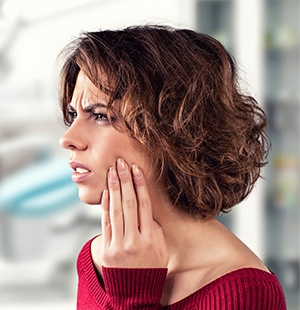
<point x="134" y="288"/>
<point x="120" y="288"/>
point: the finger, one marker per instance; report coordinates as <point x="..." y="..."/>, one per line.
<point x="115" y="208"/>
<point x="129" y="200"/>
<point x="105" y="219"/>
<point x="144" y="204"/>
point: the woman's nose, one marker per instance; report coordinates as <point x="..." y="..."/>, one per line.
<point x="73" y="139"/>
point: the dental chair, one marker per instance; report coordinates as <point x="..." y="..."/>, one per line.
<point x="40" y="231"/>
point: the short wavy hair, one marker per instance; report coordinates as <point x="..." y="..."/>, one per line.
<point x="175" y="92"/>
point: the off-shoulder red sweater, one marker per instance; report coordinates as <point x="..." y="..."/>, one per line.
<point x="243" y="289"/>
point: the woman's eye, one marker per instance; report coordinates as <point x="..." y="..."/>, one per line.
<point x="101" y="117"/>
<point x="71" y="115"/>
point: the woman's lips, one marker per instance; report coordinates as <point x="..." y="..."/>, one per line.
<point x="81" y="173"/>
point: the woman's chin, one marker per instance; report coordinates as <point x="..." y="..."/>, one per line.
<point x="89" y="197"/>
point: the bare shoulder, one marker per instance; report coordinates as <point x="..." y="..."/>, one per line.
<point x="237" y="255"/>
<point x="225" y="253"/>
<point x="214" y="253"/>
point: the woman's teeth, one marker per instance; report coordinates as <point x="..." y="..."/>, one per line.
<point x="81" y="170"/>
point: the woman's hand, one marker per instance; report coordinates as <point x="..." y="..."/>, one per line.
<point x="130" y="236"/>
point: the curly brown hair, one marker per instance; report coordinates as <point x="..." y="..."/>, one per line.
<point x="175" y="91"/>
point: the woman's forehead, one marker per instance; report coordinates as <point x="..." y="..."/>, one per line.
<point x="84" y="83"/>
<point x="85" y="92"/>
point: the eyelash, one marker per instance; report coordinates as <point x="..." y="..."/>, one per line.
<point x="71" y="116"/>
<point x="99" y="117"/>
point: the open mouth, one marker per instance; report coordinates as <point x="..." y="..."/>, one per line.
<point x="81" y="173"/>
<point x="81" y="170"/>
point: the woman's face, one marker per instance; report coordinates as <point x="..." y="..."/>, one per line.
<point x="93" y="142"/>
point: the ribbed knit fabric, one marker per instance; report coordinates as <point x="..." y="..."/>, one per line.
<point x="243" y="289"/>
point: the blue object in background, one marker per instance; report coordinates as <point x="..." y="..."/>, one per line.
<point x="39" y="189"/>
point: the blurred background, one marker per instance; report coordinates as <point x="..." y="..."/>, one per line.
<point x="42" y="223"/>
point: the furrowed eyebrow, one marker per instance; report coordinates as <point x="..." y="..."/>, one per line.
<point x="92" y="107"/>
<point x="69" y="107"/>
<point x="89" y="108"/>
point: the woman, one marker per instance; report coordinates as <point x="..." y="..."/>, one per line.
<point x="160" y="135"/>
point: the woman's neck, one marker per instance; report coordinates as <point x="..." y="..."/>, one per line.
<point x="188" y="239"/>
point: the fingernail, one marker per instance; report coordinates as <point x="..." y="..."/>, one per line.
<point x="136" y="171"/>
<point x="121" y="164"/>
<point x="105" y="195"/>
<point x="112" y="174"/>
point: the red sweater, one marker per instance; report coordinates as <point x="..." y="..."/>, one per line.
<point x="243" y="289"/>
